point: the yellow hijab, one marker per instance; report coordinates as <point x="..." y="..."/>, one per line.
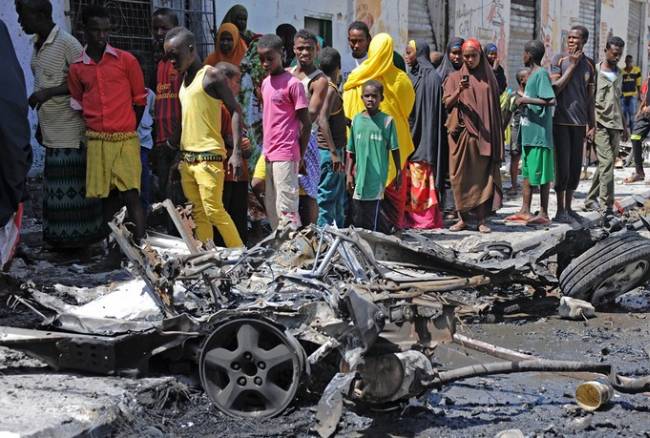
<point x="399" y="95"/>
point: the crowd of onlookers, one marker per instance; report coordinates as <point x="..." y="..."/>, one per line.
<point x="281" y="126"/>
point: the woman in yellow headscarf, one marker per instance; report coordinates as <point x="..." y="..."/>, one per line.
<point x="399" y="98"/>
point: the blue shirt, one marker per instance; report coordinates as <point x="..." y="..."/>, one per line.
<point x="146" y="124"/>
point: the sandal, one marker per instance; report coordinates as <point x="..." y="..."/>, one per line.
<point x="458" y="226"/>
<point x="539" y="220"/>
<point x="518" y="217"/>
<point x="635" y="178"/>
<point x="484" y="229"/>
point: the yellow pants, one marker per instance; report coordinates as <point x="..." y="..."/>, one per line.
<point x="203" y="186"/>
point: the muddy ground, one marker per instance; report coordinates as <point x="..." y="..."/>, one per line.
<point x="35" y="401"/>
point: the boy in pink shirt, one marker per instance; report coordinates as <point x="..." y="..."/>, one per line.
<point x="287" y="126"/>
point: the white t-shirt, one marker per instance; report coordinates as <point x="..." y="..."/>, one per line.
<point x="349" y="63"/>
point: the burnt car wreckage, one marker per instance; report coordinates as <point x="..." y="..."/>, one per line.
<point x="358" y="310"/>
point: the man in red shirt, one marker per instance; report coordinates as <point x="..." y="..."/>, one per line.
<point x="107" y="85"/>
<point x="168" y="107"/>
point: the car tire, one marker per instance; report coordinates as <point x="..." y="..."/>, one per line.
<point x="610" y="268"/>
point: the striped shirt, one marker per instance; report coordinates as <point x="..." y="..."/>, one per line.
<point x="168" y="107"/>
<point x="61" y="126"/>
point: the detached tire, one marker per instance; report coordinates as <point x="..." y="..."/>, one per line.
<point x="610" y="268"/>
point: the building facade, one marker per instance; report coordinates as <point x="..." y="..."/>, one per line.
<point x="507" y="23"/>
<point x="510" y="23"/>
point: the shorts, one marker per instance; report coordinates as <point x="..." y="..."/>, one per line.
<point x="569" y="143"/>
<point x="367" y="214"/>
<point x="113" y="162"/>
<point x="538" y="165"/>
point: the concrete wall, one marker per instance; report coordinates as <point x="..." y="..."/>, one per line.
<point x="23" y="46"/>
<point x="613" y="22"/>
<point x="264" y="16"/>
<point x="488" y="21"/>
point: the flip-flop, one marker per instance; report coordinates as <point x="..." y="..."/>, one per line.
<point x="459" y="226"/>
<point x="539" y="220"/>
<point x="517" y="217"/>
<point x="634" y="179"/>
<point x="484" y="229"/>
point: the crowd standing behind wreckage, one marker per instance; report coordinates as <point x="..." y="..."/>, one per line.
<point x="260" y="105"/>
<point x="274" y="204"/>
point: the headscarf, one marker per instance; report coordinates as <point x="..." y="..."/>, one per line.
<point x="246" y="34"/>
<point x="15" y="149"/>
<point x="479" y="104"/>
<point x="238" y="47"/>
<point x="399" y="95"/>
<point x="447" y="66"/>
<point x="490" y="47"/>
<point x="426" y="117"/>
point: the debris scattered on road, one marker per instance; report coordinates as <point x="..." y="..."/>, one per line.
<point x="573" y="308"/>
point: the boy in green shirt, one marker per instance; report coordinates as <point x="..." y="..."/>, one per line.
<point x="372" y="135"/>
<point x="538" y="167"/>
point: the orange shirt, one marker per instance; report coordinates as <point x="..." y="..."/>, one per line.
<point x="106" y="92"/>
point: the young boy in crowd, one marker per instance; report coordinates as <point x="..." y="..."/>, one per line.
<point x="287" y="127"/>
<point x="372" y="136"/>
<point x="204" y="93"/>
<point x="145" y="134"/>
<point x="512" y="117"/>
<point x="536" y="135"/>
<point x="107" y="85"/>
<point x="331" y="141"/>
<point x="235" y="187"/>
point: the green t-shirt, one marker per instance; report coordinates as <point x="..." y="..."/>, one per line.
<point x="370" y="140"/>
<point x="536" y="120"/>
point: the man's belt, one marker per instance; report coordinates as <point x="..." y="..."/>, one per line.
<point x="198" y="157"/>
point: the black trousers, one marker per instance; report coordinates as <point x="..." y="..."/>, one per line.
<point x="235" y="200"/>
<point x="569" y="143"/>
<point x="641" y="131"/>
<point x="370" y="215"/>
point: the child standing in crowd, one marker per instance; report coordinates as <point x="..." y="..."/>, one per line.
<point x="203" y="94"/>
<point x="372" y="135"/>
<point x="512" y="117"/>
<point x="106" y="84"/>
<point x="235" y="187"/>
<point x="536" y="135"/>
<point x="331" y="141"/>
<point x="145" y="134"/>
<point x="287" y="127"/>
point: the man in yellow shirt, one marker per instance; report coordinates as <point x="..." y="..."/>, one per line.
<point x="202" y="94"/>
<point x="631" y="90"/>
